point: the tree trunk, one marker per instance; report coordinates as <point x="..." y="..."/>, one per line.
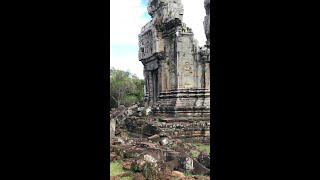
<point x="117" y="101"/>
<point x="119" y="97"/>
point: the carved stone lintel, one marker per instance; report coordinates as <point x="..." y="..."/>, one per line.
<point x="152" y="66"/>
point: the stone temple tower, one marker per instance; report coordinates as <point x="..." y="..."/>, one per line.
<point x="176" y="69"/>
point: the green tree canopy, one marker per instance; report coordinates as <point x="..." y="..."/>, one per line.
<point x="125" y="88"/>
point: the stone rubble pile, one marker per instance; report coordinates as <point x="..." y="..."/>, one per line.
<point x="156" y="161"/>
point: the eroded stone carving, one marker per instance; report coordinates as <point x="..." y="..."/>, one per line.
<point x="187" y="69"/>
<point x="204" y="54"/>
<point x="176" y="73"/>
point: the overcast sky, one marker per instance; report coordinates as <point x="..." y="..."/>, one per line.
<point x="126" y="20"/>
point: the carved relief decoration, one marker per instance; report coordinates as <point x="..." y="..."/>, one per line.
<point x="146" y="45"/>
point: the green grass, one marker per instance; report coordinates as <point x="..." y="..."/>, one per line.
<point x="203" y="147"/>
<point x="116" y="169"/>
<point x="200" y="177"/>
<point x="194" y="153"/>
<point x="188" y="174"/>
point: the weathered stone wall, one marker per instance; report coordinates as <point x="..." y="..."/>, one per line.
<point x="165" y="10"/>
<point x="187" y="130"/>
<point x="177" y="72"/>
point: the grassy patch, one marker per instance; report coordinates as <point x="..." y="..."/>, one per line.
<point x="203" y="147"/>
<point x="116" y="169"/>
<point x="199" y="176"/>
<point x="194" y="153"/>
<point x="126" y="178"/>
<point x="157" y="119"/>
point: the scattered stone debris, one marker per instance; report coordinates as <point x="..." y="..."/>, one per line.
<point x="114" y="178"/>
<point x="127" y="165"/>
<point x="138" y="176"/>
<point x="204" y="159"/>
<point x="152" y="160"/>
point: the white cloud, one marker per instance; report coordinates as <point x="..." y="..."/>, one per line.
<point x="126" y="21"/>
<point x="127" y="63"/>
<point x="193" y="16"/>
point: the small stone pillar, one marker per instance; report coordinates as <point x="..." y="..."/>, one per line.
<point x="112" y="129"/>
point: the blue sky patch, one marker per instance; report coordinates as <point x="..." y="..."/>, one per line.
<point x="144" y="2"/>
<point x="146" y="16"/>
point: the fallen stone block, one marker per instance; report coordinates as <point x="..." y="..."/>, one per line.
<point x="173" y="164"/>
<point x="114" y="178"/>
<point x="127" y="165"/>
<point x="126" y="174"/>
<point x="177" y="174"/>
<point x="151" y="170"/>
<point x="187" y="163"/>
<point x="130" y="153"/>
<point x="147" y="145"/>
<point x="113" y="155"/>
<point x="204" y="159"/>
<point x="199" y="168"/>
<point x="164" y="141"/>
<point x="149" y="158"/>
<point x="154" y="138"/>
<point x="173" y="155"/>
<point x="138" y="165"/>
<point x="138" y="176"/>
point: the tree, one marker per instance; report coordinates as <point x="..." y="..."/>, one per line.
<point x="125" y="88"/>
